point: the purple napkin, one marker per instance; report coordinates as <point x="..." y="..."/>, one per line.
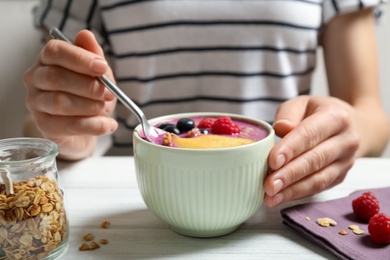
<point x="350" y="246"/>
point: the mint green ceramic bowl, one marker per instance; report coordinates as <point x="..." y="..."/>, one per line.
<point x="202" y="192"/>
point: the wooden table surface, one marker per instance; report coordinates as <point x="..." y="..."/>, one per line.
<point x="105" y="189"/>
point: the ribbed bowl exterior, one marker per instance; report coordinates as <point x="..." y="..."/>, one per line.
<point x="202" y="193"/>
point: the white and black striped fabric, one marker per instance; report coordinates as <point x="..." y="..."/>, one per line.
<point x="170" y="56"/>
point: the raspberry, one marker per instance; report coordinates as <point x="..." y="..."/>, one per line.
<point x="379" y="228"/>
<point x="225" y="126"/>
<point x="206" y="122"/>
<point x="365" y="206"/>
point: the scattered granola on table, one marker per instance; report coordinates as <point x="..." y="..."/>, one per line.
<point x="103" y="241"/>
<point x="89" y="246"/>
<point x="105" y="224"/>
<point x="92" y="245"/>
<point x="89" y="237"/>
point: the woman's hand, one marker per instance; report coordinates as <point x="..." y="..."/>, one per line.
<point x="318" y="146"/>
<point x="322" y="136"/>
<point x="68" y="105"/>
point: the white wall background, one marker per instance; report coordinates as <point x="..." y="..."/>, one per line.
<point x="20" y="44"/>
<point x="18" y="48"/>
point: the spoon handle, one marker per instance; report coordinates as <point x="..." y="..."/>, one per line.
<point x="122" y="97"/>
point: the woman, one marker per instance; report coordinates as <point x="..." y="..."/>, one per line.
<point x="248" y="57"/>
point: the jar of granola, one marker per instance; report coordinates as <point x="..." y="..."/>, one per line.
<point x="33" y="221"/>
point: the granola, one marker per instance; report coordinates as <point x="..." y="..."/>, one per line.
<point x="32" y="220"/>
<point x="326" y="222"/>
<point x="105" y="224"/>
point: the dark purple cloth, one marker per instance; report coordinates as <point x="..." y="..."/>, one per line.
<point x="350" y="246"/>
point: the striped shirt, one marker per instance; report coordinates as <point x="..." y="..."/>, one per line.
<point x="171" y="56"/>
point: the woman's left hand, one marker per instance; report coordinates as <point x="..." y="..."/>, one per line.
<point x="318" y="147"/>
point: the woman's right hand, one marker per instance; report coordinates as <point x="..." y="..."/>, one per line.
<point x="68" y="105"/>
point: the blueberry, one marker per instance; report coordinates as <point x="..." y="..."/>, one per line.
<point x="185" y="124"/>
<point x="172" y="129"/>
<point x="163" y="125"/>
<point x="204" y="131"/>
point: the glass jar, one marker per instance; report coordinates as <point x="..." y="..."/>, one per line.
<point x="33" y="221"/>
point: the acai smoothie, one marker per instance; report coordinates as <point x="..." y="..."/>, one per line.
<point x="210" y="132"/>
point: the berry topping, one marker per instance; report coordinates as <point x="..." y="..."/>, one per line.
<point x="225" y="126"/>
<point x="185" y="124"/>
<point x="206" y="123"/>
<point x="163" y="125"/>
<point x="203" y="131"/>
<point x="365" y="206"/>
<point x="379" y="228"/>
<point x="172" y="129"/>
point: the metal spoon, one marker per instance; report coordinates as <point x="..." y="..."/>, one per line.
<point x="151" y="133"/>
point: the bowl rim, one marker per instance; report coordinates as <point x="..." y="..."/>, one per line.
<point x="266" y="125"/>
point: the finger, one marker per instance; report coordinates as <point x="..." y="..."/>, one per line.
<point x="314" y="129"/>
<point x="86" y="40"/>
<point x="289" y="115"/>
<point x="63" y="126"/>
<point x="74" y="58"/>
<point x="324" y="179"/>
<point x="311" y="161"/>
<point x="54" y="78"/>
<point x="64" y="104"/>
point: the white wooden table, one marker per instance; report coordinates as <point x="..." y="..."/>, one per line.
<point x="105" y="189"/>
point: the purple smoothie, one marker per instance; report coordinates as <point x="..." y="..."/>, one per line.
<point x="251" y="131"/>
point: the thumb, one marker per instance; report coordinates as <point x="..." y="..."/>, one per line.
<point x="289" y="115"/>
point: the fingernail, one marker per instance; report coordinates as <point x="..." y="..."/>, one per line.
<point x="277" y="199"/>
<point x="278" y="185"/>
<point x="282" y="121"/>
<point x="280" y="160"/>
<point x="114" y="125"/>
<point x="99" y="66"/>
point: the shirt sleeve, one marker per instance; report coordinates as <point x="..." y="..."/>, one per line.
<point x="70" y="17"/>
<point x="331" y="8"/>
